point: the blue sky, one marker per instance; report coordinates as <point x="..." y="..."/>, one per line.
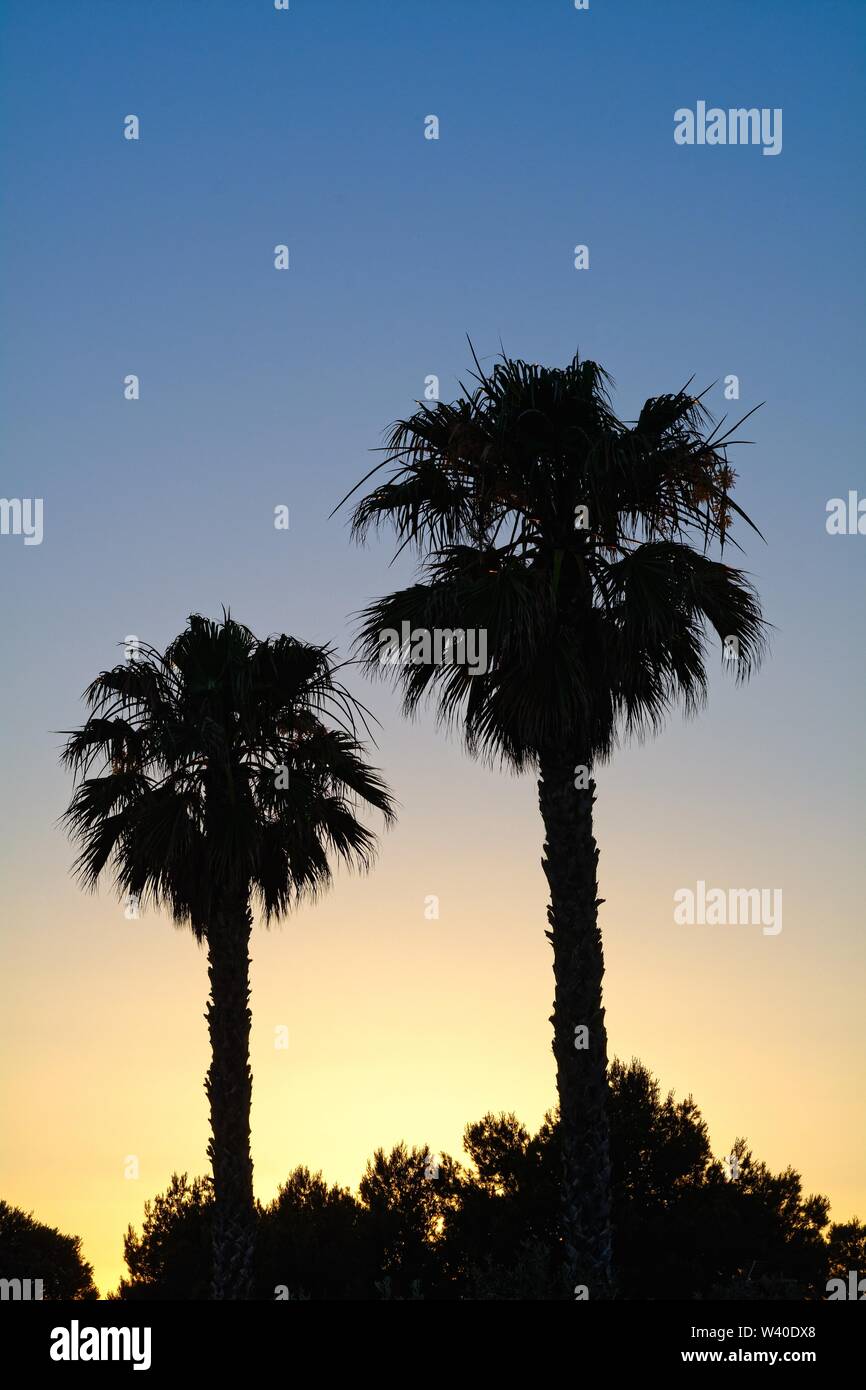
<point x="259" y="388"/>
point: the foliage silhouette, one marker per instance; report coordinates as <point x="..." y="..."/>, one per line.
<point x="31" y="1250"/>
<point x="171" y="1258"/>
<point x="847" y="1242"/>
<point x="313" y="1242"/>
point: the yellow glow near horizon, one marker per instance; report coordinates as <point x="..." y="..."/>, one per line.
<point x="403" y="1028"/>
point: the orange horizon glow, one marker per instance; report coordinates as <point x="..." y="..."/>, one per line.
<point x="403" y="1028"/>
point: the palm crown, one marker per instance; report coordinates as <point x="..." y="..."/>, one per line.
<point x="224" y="762"/>
<point x="596" y="619"/>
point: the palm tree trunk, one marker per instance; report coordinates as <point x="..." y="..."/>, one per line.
<point x="570" y="863"/>
<point x="229" y="1089"/>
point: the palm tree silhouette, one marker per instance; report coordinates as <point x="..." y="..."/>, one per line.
<point x="564" y="534"/>
<point x="227" y="770"/>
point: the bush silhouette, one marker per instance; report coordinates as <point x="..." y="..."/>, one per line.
<point x="31" y="1250"/>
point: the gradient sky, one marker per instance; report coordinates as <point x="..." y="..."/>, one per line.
<point x="260" y="388"/>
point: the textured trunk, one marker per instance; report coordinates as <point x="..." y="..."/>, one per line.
<point x="229" y="1090"/>
<point x="570" y="861"/>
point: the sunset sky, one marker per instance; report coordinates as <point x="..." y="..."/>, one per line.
<point x="261" y="388"/>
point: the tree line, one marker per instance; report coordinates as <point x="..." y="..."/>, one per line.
<point x="488" y="1227"/>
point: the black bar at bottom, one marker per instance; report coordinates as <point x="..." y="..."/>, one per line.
<point x="156" y="1339"/>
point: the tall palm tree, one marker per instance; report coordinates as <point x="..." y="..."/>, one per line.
<point x="222" y="772"/>
<point x="578" y="543"/>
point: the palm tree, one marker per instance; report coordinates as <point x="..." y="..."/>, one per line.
<point x="578" y="544"/>
<point x="227" y="770"/>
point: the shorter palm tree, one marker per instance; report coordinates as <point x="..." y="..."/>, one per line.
<point x="223" y="772"/>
